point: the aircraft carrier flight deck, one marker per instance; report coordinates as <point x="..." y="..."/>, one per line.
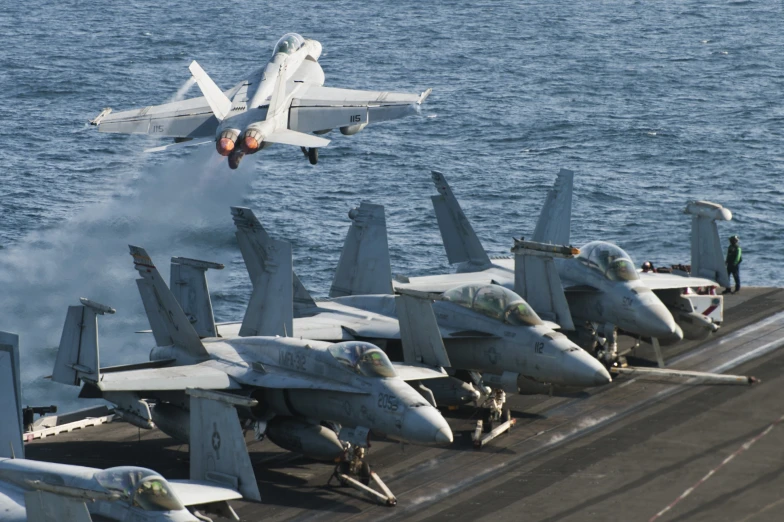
<point x="640" y="448"/>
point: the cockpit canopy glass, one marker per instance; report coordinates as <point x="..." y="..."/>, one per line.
<point x="363" y="358"/>
<point x="610" y="260"/>
<point x="496" y="302"/>
<point x="140" y="486"/>
<point x="288" y="44"/>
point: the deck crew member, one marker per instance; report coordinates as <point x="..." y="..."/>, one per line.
<point x="734" y="259"/>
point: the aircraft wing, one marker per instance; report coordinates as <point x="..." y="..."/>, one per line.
<point x="316" y="108"/>
<point x="656" y="281"/>
<point x="171" y="378"/>
<point x="191" y="118"/>
<point x="268" y="376"/>
<point x="417" y="372"/>
<point x="194" y="493"/>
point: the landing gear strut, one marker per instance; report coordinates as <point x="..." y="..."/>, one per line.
<point x="354" y="464"/>
<point x="311" y="154"/>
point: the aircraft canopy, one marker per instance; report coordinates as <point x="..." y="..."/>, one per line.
<point x="289" y="43"/>
<point x="496" y="302"/>
<point x="142" y="487"/>
<point x="609" y="259"/>
<point x="363" y="358"/>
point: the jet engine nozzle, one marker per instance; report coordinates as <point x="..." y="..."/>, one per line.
<point x="227" y="141"/>
<point x="251" y="141"/>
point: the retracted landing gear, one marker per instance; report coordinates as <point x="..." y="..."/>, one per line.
<point x="311" y="154"/>
<point x="497" y="421"/>
<point x="354" y="471"/>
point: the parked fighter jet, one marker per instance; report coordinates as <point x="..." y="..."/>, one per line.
<point x="485" y="328"/>
<point x="279" y="103"/>
<point x="46" y="492"/>
<point x="297" y="384"/>
<point x="601" y="283"/>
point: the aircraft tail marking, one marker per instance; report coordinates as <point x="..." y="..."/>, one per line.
<point x="217" y="445"/>
<point x="364" y="267"/>
<point x="460" y="241"/>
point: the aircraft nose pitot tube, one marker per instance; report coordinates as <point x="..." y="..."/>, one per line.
<point x="227" y="141"/>
<point x="426" y="426"/>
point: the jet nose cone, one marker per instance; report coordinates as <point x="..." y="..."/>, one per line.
<point x="601" y="377"/>
<point x="658" y="322"/>
<point x="582" y="370"/>
<point x="424" y="425"/>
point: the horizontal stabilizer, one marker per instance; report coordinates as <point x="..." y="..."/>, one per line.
<point x="298" y="139"/>
<point x="181" y="144"/>
<point x="218" y="102"/>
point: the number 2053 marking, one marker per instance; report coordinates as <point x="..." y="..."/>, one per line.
<point x="388" y="402"/>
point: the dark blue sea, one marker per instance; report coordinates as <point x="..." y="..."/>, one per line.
<point x="652" y="104"/>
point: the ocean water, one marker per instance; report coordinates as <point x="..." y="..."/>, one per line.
<point x="652" y="104"/>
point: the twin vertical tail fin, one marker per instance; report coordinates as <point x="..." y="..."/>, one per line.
<point x="419" y="331"/>
<point x="11" y="392"/>
<point x="537" y="280"/>
<point x="555" y="218"/>
<point x="217" y="445"/>
<point x="218" y="102"/>
<point x="169" y="324"/>
<point x="77" y="357"/>
<point x="188" y="283"/>
<point x="460" y="241"/>
<point x="364" y="267"/>
<point x="270" y="266"/>
<point x="707" y="256"/>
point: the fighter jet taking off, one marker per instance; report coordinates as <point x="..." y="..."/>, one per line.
<point x="282" y="102"/>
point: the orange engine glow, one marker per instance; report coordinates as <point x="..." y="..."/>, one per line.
<point x="224" y="146"/>
<point x="250" y="144"/>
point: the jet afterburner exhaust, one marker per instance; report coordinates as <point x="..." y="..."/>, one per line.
<point x="227" y="141"/>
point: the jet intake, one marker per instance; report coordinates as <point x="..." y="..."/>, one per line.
<point x="227" y="141"/>
<point x="350" y="130"/>
<point x="507" y="381"/>
<point x="312" y="440"/>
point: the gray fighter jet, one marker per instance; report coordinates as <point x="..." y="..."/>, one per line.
<point x="601" y="283"/>
<point x="486" y="329"/>
<point x="282" y="102"/>
<point x="46" y="492"/>
<point x="308" y="395"/>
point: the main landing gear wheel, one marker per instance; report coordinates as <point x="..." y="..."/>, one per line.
<point x="313" y="155"/>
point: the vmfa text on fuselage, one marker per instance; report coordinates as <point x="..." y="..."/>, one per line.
<point x="282" y="102"/>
